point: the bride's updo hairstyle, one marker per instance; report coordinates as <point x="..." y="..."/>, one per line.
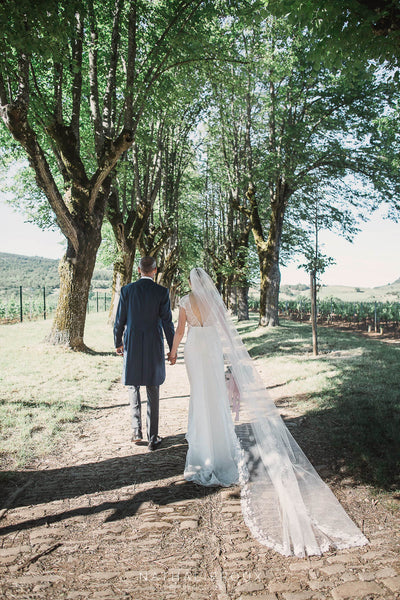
<point x="193" y="272"/>
<point x="194" y="277"/>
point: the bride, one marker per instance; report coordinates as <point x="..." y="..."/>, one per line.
<point x="285" y="503"/>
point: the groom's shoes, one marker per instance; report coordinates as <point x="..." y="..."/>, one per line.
<point x="155" y="443"/>
<point x="136" y="435"/>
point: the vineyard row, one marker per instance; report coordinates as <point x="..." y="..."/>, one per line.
<point x="334" y="310"/>
<point x="37" y="303"/>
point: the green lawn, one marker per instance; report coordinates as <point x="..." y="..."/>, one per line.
<point x="44" y="388"/>
<point x="348" y="398"/>
<point x="349" y="394"/>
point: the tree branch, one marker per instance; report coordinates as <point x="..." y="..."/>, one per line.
<point x="136" y="175"/>
<point x="108" y="108"/>
<point x="155" y="71"/>
<point x="94" y="83"/>
<point x="179" y="10"/>
<point x="58" y="76"/>
<point x="23" y="78"/>
<point x="15" y="118"/>
<point x="3" y="92"/>
<point x="77" y="46"/>
<point x="131" y="66"/>
<point x="108" y="162"/>
<point x="255" y="220"/>
<point x="49" y="112"/>
<point x="67" y="146"/>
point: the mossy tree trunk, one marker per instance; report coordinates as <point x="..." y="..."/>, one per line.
<point x="243" y="303"/>
<point x="268" y="252"/>
<point x="122" y="275"/>
<point x="270" y="279"/>
<point x="75" y="272"/>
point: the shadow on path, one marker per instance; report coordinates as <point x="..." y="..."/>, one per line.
<point x="121" y="509"/>
<point x="45" y="486"/>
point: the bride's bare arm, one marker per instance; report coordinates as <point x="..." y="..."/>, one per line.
<point x="180" y="330"/>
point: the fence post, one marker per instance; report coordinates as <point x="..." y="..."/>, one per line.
<point x="375" y="319"/>
<point x="44" y="302"/>
<point x="105" y="301"/>
<point x="97" y="301"/>
<point x="20" y="304"/>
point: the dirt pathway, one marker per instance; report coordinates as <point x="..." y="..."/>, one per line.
<point x="106" y="519"/>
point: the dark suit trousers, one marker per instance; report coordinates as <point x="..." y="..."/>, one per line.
<point x="153" y="397"/>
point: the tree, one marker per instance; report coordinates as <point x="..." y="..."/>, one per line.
<point x="230" y="166"/>
<point x="135" y="189"/>
<point x="317" y="217"/>
<point x="372" y="26"/>
<point x="318" y="127"/>
<point x="40" y="119"/>
<point x="74" y="81"/>
<point x="150" y="173"/>
<point x="304" y="123"/>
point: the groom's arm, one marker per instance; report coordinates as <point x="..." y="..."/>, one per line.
<point x="166" y="319"/>
<point x="120" y="321"/>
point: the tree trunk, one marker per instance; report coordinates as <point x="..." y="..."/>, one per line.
<point x="269" y="291"/>
<point x="268" y="253"/>
<point x="122" y="275"/>
<point x="75" y="272"/>
<point x="232" y="296"/>
<point x="173" y="295"/>
<point x="313" y="291"/>
<point x="243" y="303"/>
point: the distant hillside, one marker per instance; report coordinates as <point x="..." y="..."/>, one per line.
<point x="35" y="271"/>
<point x="29" y="271"/>
<point x="385" y="293"/>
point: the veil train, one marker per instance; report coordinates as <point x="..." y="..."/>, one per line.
<point x="285" y="503"/>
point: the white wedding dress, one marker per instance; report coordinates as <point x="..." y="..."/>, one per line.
<point x="214" y="450"/>
<point x="285" y="503"/>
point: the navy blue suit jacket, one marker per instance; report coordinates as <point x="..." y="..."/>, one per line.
<point x="143" y="313"/>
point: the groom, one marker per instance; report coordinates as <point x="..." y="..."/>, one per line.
<point x="143" y="313"/>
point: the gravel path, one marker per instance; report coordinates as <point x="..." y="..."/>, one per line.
<point x="105" y="519"/>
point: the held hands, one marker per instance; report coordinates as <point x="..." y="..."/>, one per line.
<point x="172" y="358"/>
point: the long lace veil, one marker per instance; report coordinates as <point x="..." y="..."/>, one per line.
<point x="285" y="503"/>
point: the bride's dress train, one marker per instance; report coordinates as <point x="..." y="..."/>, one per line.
<point x="285" y="503"/>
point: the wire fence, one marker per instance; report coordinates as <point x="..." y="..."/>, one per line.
<point x="27" y="303"/>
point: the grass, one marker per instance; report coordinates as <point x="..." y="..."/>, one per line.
<point x="349" y="394"/>
<point x="43" y="388"/>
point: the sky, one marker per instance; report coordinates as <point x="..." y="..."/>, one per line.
<point x="18" y="237"/>
<point x="372" y="260"/>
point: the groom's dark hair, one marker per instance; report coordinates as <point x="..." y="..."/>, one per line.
<point x="147" y="264"/>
